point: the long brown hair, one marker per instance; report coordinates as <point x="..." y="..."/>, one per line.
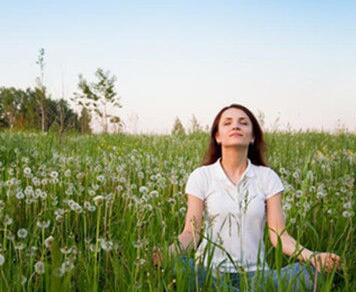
<point x="256" y="151"/>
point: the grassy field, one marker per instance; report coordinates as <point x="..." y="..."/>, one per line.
<point x="83" y="213"/>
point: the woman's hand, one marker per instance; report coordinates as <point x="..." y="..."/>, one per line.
<point x="325" y="261"/>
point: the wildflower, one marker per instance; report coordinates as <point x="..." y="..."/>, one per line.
<point x="67" y="173"/>
<point x="29" y="191"/>
<point x="74" y="206"/>
<point x="54" y="174"/>
<point x="80" y="175"/>
<point x="27" y="171"/>
<point x="306" y="206"/>
<point x="2" y="259"/>
<point x="36" y="181"/>
<point x="48" y="241"/>
<point x="321" y="194"/>
<point x="37" y="193"/>
<point x="39" y="267"/>
<point x="106" y="245"/>
<point x="43" y="224"/>
<point x="298" y="193"/>
<point x="20" y="246"/>
<point x="141" y="261"/>
<point x="182" y="210"/>
<point x="292" y="220"/>
<point x="66" y="266"/>
<point x="67" y="251"/>
<point x="143" y="189"/>
<point x="347" y="214"/>
<point x="22" y="233"/>
<point x="296" y="175"/>
<point x="98" y="200"/>
<point x="43" y="195"/>
<point x="171" y="201"/>
<point x="347" y="205"/>
<point x="20" y="195"/>
<point x="154" y="194"/>
<point x="8" y="220"/>
<point x="23" y="280"/>
<point x="91" y="193"/>
<point x="149" y="207"/>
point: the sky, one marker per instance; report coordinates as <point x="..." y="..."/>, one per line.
<point x="293" y="61"/>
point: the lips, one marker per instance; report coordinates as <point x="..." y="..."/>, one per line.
<point x="235" y="134"/>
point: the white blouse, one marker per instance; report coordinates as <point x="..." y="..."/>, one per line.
<point x="234" y="215"/>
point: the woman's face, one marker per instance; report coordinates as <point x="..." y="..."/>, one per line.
<point x="235" y="129"/>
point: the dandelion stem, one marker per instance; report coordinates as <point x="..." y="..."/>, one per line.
<point x="96" y="269"/>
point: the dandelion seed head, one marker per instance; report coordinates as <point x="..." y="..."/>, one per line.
<point x="7" y="220"/>
<point x="22" y="233"/>
<point x="20" y="195"/>
<point x="347" y="205"/>
<point x="347" y="214"/>
<point x="27" y="171"/>
<point x="2" y="259"/>
<point x="43" y="224"/>
<point x="98" y="200"/>
<point x="48" y="241"/>
<point x="39" y="267"/>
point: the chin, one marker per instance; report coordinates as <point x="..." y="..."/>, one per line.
<point x="236" y="144"/>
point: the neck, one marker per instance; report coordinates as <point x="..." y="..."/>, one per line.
<point x="234" y="160"/>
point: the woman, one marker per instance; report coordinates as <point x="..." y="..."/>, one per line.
<point x="237" y="191"/>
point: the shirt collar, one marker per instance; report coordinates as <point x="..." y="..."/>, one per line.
<point x="249" y="172"/>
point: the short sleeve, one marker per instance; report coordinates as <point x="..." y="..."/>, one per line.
<point x="195" y="185"/>
<point x="274" y="184"/>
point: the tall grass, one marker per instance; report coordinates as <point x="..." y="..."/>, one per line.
<point x="84" y="212"/>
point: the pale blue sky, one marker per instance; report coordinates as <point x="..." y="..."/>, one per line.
<point x="290" y="59"/>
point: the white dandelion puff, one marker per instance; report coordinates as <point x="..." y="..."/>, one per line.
<point x="2" y="259"/>
<point x="39" y="267"/>
<point x="20" y="195"/>
<point x="98" y="200"/>
<point x="43" y="224"/>
<point x="48" y="241"/>
<point x="22" y="233"/>
<point x="27" y="171"/>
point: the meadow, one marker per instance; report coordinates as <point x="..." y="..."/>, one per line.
<point x="85" y="212"/>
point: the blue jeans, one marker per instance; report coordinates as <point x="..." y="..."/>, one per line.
<point x="295" y="277"/>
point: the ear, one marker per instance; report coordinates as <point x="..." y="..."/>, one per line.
<point x="217" y="138"/>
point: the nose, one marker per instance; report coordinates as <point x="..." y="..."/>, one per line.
<point x="236" y="127"/>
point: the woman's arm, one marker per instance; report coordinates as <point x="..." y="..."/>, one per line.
<point x="276" y="228"/>
<point x="189" y="237"/>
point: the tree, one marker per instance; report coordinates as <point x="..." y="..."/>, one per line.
<point x="99" y="97"/>
<point x="84" y="121"/>
<point x="194" y="125"/>
<point x="12" y="102"/>
<point x="178" y="128"/>
<point x="63" y="118"/>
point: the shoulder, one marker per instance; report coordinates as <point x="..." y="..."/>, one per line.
<point x="270" y="181"/>
<point x="202" y="172"/>
<point x="265" y="172"/>
<point x="197" y="183"/>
